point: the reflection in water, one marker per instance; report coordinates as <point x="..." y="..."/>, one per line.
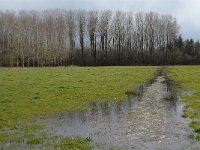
<point x="99" y="116"/>
<point x="150" y="122"/>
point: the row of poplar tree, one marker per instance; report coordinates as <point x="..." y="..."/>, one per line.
<point x="64" y="37"/>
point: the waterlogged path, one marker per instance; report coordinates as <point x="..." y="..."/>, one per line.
<point x="148" y="122"/>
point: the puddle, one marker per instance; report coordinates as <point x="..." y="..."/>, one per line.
<point x="151" y="120"/>
<point x="148" y="122"/>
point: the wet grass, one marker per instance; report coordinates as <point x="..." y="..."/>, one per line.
<point x="32" y="136"/>
<point x="188" y="78"/>
<point x="74" y="143"/>
<point x="27" y="133"/>
<point x="3" y="137"/>
<point x="31" y="92"/>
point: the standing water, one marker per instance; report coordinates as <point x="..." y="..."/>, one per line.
<point x="152" y="121"/>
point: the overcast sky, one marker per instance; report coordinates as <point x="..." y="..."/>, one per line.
<point x="187" y="12"/>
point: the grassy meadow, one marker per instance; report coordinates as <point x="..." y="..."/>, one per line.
<point x="187" y="78"/>
<point x="27" y="93"/>
<point x="31" y="92"/>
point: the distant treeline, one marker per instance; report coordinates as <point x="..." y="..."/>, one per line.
<point x="60" y="38"/>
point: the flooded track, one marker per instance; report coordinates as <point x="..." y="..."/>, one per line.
<point x="152" y="121"/>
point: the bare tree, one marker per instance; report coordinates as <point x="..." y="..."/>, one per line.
<point x="119" y="32"/>
<point x="81" y="28"/>
<point x="71" y="28"/>
<point x="47" y="38"/>
<point x="140" y="34"/>
<point x="103" y="28"/>
<point x="92" y="31"/>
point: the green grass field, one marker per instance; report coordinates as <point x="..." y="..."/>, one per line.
<point x="26" y="93"/>
<point x="188" y="78"/>
<point x="32" y="92"/>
